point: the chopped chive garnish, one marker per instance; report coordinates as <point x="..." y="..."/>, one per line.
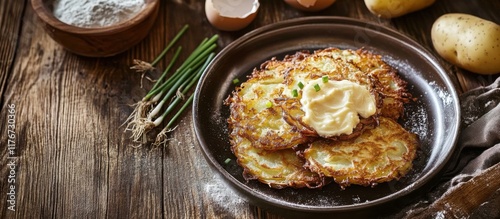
<point x="317" y="88"/>
<point x="227" y="160"/>
<point x="300" y="85"/>
<point x="325" y="79"/>
<point x="295" y="93"/>
<point x="269" y="104"/>
<point x="236" y="80"/>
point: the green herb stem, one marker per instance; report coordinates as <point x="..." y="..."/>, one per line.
<point x="197" y="60"/>
<point x="199" y="73"/>
<point x="184" y="106"/>
<point x="198" y="51"/>
<point x="170" y="65"/>
<point x="170" y="93"/>
<point x="199" y="56"/>
<point x="186" y="87"/>
<point x="172" y="42"/>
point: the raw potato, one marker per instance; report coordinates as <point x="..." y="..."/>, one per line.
<point x="396" y="8"/>
<point x="310" y="5"/>
<point x="468" y="42"/>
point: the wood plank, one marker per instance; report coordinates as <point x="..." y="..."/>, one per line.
<point x="74" y="158"/>
<point x="55" y="124"/>
<point x="191" y="189"/>
<point x="11" y="16"/>
<point x="69" y="114"/>
<point x="464" y="198"/>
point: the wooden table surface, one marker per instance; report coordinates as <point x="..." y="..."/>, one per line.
<point x="72" y="158"/>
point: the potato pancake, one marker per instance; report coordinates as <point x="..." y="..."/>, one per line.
<point x="321" y="99"/>
<point x="378" y="155"/>
<point x="358" y="66"/>
<point x="256" y="116"/>
<point x="320" y="64"/>
<point x="390" y="86"/>
<point x="278" y="169"/>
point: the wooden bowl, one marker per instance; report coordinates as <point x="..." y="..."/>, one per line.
<point x="101" y="41"/>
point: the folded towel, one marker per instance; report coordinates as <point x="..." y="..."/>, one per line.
<point x="470" y="188"/>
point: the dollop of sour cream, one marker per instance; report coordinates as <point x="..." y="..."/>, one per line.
<point x="333" y="107"/>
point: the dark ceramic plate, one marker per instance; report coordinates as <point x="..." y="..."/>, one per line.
<point x="434" y="116"/>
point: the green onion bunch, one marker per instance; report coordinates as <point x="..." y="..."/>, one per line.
<point x="161" y="104"/>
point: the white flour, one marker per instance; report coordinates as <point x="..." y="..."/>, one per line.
<point x="224" y="198"/>
<point x="96" y="13"/>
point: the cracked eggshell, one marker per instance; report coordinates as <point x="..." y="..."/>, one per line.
<point x="310" y="5"/>
<point x="231" y="15"/>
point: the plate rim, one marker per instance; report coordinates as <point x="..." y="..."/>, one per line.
<point x="341" y="20"/>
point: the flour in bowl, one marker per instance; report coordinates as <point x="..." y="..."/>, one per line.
<point x="96" y="13"/>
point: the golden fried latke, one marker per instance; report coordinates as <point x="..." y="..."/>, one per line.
<point x="255" y="115"/>
<point x="278" y="169"/>
<point x="266" y="125"/>
<point x="378" y="155"/>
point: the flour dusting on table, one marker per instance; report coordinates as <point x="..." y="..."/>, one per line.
<point x="223" y="196"/>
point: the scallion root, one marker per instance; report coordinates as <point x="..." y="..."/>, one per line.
<point x="139" y="128"/>
<point x="162" y="137"/>
<point x="142" y="66"/>
<point x="140" y="111"/>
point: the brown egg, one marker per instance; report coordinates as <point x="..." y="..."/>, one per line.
<point x="310" y="5"/>
<point x="230" y="15"/>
